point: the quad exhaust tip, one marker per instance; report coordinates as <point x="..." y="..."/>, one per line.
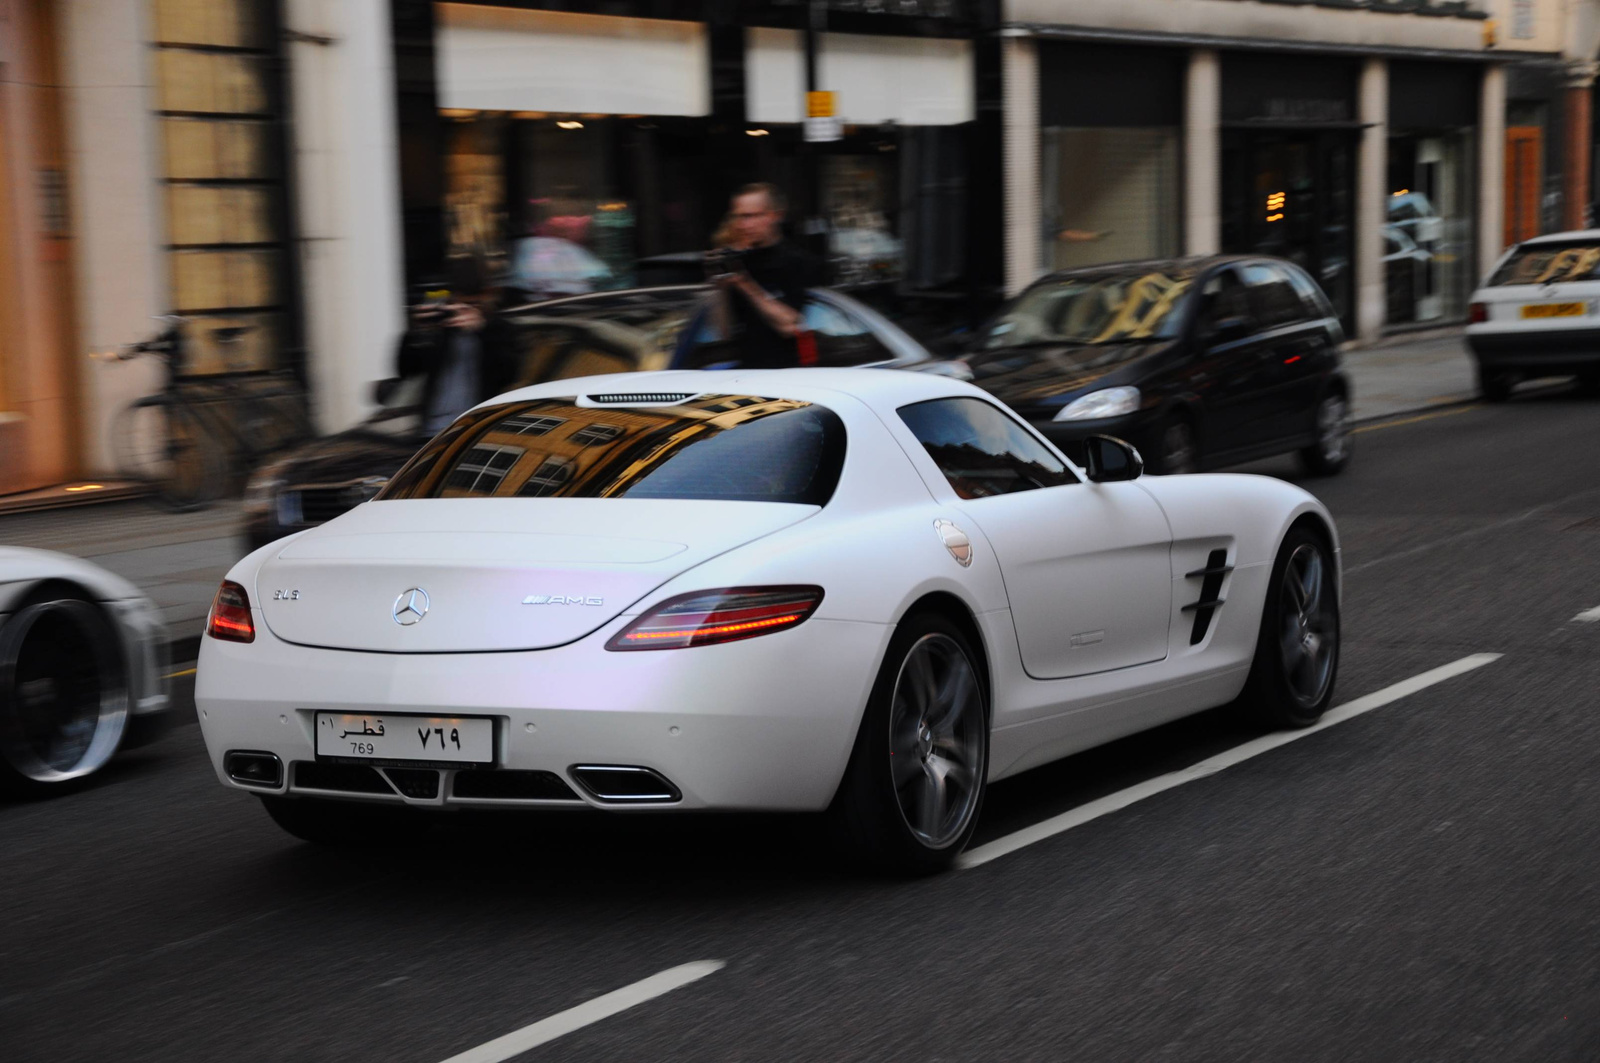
<point x="625" y="784"/>
<point x="261" y="770"/>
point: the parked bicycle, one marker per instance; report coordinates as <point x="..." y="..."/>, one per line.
<point x="200" y="435"/>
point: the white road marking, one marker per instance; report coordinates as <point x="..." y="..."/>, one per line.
<point x="1076" y="817"/>
<point x="585" y="1014"/>
<point x="1588" y="616"/>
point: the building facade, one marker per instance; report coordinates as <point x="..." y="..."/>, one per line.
<point x="298" y="166"/>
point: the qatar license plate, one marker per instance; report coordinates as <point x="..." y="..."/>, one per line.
<point x="1555" y="309"/>
<point x="450" y="739"/>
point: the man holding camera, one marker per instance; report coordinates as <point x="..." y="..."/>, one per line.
<point x="765" y="278"/>
<point x="460" y="344"/>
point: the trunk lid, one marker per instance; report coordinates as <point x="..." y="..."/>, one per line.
<point x="493" y="574"/>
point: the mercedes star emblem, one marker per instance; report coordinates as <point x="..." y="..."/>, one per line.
<point x="411" y="607"/>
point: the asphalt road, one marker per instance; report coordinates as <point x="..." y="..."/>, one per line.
<point x="1417" y="883"/>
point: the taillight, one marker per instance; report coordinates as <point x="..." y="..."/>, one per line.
<point x="1477" y="313"/>
<point x="727" y="615"/>
<point x="230" y="614"/>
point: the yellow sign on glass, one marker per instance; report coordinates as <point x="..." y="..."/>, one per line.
<point x="820" y="104"/>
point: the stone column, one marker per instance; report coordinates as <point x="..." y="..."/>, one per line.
<point x="347" y="185"/>
<point x="1372" y="195"/>
<point x="1202" y="154"/>
<point x="1576" y="145"/>
<point x="1020" y="70"/>
<point x="1491" y="167"/>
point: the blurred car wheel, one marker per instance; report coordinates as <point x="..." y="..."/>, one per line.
<point x="1495" y="387"/>
<point x="1180" y="452"/>
<point x="63" y="691"/>
<point x="1331" y="452"/>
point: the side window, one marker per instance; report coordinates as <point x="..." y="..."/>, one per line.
<point x="840" y="338"/>
<point x="981" y="450"/>
<point x="1272" y="296"/>
<point x="1223" y="297"/>
<point x="1312" y="302"/>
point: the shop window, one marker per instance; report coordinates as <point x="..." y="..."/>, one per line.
<point x="859" y="201"/>
<point x="219" y="113"/>
<point x="1429" y="228"/>
<point x="1109" y="195"/>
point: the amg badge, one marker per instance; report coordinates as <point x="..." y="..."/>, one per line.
<point x="561" y="599"/>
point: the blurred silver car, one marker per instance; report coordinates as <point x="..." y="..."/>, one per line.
<point x="82" y="657"/>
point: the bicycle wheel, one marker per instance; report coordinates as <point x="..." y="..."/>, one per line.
<point x="163" y="444"/>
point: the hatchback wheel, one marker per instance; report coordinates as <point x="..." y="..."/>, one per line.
<point x="911" y="794"/>
<point x="1495" y="387"/>
<point x="1331" y="451"/>
<point x="1180" y="453"/>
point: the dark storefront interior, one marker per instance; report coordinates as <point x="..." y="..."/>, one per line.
<point x="1289" y="141"/>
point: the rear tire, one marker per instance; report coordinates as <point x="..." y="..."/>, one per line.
<point x="914" y="787"/>
<point x="63" y="692"/>
<point x="1331" y="452"/>
<point x="1297" y="648"/>
<point x="1495" y="386"/>
<point x="344" y="823"/>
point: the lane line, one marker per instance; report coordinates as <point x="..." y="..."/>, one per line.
<point x="1076" y="817"/>
<point x="1588" y="616"/>
<point x="1416" y="419"/>
<point x="184" y="672"/>
<point x="588" y="1013"/>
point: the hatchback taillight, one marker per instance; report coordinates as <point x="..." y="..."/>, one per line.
<point x="1477" y="313"/>
<point x="727" y="615"/>
<point x="230" y="615"/>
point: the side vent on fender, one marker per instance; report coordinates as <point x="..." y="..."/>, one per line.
<point x="1211" y="576"/>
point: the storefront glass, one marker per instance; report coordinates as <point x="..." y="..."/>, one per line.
<point x="1109" y="195"/>
<point x="1290" y="193"/>
<point x="1428" y="237"/>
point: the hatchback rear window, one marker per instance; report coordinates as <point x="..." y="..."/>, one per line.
<point x="1549" y="263"/>
<point x="740" y="448"/>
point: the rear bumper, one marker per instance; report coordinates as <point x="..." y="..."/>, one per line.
<point x="763" y="724"/>
<point x="1545" y="349"/>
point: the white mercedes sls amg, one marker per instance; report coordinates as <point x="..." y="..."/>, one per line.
<point x="866" y="591"/>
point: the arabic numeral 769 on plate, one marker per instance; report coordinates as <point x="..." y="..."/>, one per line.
<point x="392" y="736"/>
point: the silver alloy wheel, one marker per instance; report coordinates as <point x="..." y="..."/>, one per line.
<point x="1308" y="628"/>
<point x="1333" y="429"/>
<point x="937" y="740"/>
<point x="1178" y="451"/>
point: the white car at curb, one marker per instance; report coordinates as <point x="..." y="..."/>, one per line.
<point x="857" y="590"/>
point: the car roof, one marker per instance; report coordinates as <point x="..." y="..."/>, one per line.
<point x="1561" y="238"/>
<point x="884" y="390"/>
<point x="1190" y="264"/>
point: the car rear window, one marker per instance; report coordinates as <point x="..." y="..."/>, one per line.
<point x="1549" y="263"/>
<point x="742" y="448"/>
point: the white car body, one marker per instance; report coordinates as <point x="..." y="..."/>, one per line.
<point x="138" y="707"/>
<point x="1082" y="643"/>
<point x="1510" y="339"/>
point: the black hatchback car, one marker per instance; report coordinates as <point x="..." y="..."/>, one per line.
<point x="1198" y="362"/>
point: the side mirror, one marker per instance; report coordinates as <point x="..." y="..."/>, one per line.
<point x="1109" y="458"/>
<point x="383" y="390"/>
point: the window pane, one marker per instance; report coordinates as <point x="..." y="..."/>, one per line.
<point x="981" y="450"/>
<point x="1273" y="298"/>
<point x="1110" y="195"/>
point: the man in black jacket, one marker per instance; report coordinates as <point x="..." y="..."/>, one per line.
<point x="466" y="350"/>
<point x="767" y="288"/>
